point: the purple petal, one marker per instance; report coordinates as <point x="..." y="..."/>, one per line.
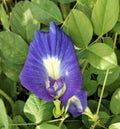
<point x="77" y="103"/>
<point x="51" y="54"/>
<point x="34" y="75"/>
<point x="69" y="68"/>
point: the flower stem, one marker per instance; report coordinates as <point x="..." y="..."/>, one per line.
<point x="67" y="17"/>
<point x="115" y="39"/>
<point x="63" y="119"/>
<point x="22" y="124"/>
<point x="8" y="98"/>
<point x="84" y="67"/>
<point x="64" y="10"/>
<point x="102" y="91"/>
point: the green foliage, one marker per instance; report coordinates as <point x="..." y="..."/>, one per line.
<point x="14" y="52"/>
<point x="114" y="103"/>
<point x="101" y="15"/>
<point x="115" y="126"/>
<point x="22" y="21"/>
<point x="38" y="110"/>
<point x="80" y="26"/>
<point x="43" y="15"/>
<point x="4" y="18"/>
<point x="101" y="56"/>
<point x="3" y="116"/>
<point x="47" y="126"/>
<point x="94" y="27"/>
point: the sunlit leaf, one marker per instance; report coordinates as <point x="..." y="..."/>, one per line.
<point x="38" y="110"/>
<point x="105" y="15"/>
<point x="79" y="28"/>
<point x="47" y="126"/>
<point x="115" y="102"/>
<point x="115" y="126"/>
<point x="4" y="17"/>
<point x="3" y="116"/>
<point x="101" y="56"/>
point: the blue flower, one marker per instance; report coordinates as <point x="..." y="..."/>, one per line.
<point x="52" y="71"/>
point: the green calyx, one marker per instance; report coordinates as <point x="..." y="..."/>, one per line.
<point x="57" y="110"/>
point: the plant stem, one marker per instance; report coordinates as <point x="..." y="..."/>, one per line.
<point x="4" y="2"/>
<point x="63" y="119"/>
<point x="51" y="121"/>
<point x="8" y="98"/>
<point x="102" y="91"/>
<point x="22" y="124"/>
<point x="68" y="15"/>
<point x="64" y="10"/>
<point x="84" y="67"/>
<point x="115" y="39"/>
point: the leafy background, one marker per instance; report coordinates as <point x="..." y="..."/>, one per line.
<point x="94" y="26"/>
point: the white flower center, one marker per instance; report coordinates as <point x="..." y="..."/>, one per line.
<point x="52" y="65"/>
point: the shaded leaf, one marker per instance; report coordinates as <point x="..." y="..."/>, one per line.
<point x="19" y="120"/>
<point x="8" y="86"/>
<point x="65" y="1"/>
<point x="13" y="47"/>
<point x="22" y="21"/>
<point x="18" y="108"/>
<point x="47" y="11"/>
<point x="11" y="70"/>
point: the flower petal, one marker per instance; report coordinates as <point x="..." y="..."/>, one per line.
<point x="77" y="103"/>
<point x="34" y="75"/>
<point x="69" y="68"/>
<point x="51" y="54"/>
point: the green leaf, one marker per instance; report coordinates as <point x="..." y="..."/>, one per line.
<point x="104" y="117"/>
<point x="115" y="119"/>
<point x="105" y="15"/>
<point x="86" y="6"/>
<point x="11" y="122"/>
<point x="108" y="41"/>
<point x="38" y="110"/>
<point x="79" y="28"/>
<point x="19" y="120"/>
<point x="65" y="1"/>
<point x="112" y="76"/>
<point x="3" y="116"/>
<point x="101" y="56"/>
<point x="22" y="21"/>
<point x="47" y="126"/>
<point x="115" y="126"/>
<point x="47" y="11"/>
<point x="4" y="18"/>
<point x="18" y="108"/>
<point x="13" y="47"/>
<point x="8" y="86"/>
<point x="88" y="84"/>
<point x="11" y="70"/>
<point x="116" y="28"/>
<point x="115" y="102"/>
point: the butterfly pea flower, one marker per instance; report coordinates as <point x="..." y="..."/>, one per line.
<point x="52" y="71"/>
